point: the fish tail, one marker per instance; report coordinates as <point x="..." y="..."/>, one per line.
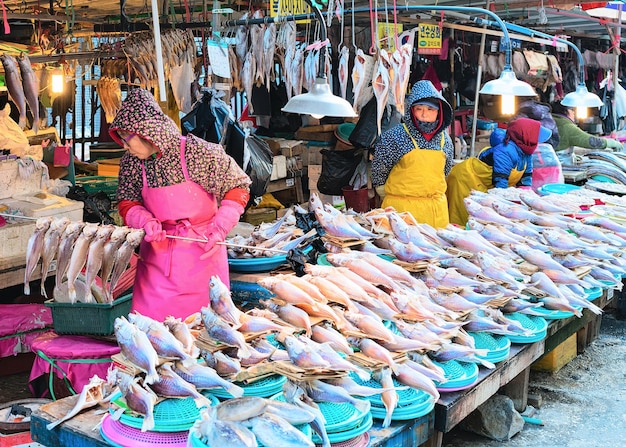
<point x="235" y="390"/>
<point x="43" y="289"/>
<point x="387" y="421"/>
<point x="27" y="287"/>
<point x="148" y="423"/>
<point x="22" y="121"/>
<point x="152" y="377"/>
<point x="71" y="292"/>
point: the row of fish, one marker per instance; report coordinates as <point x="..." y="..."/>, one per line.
<point x="102" y="250"/>
<point x="269" y="239"/>
<point x="179" y="59"/>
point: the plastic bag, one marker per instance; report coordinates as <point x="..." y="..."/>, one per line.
<point x="258" y="161"/>
<point x="366" y="130"/>
<point x="546" y="166"/>
<point x="337" y="170"/>
<point x="200" y="121"/>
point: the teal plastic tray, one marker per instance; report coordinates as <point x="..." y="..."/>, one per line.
<point x="459" y="374"/>
<point x="194" y="441"/>
<point x="554" y="314"/>
<point x="170" y="415"/>
<point x="536" y="325"/>
<point x="593" y="293"/>
<point x="498" y="346"/>
<point x="265" y="387"/>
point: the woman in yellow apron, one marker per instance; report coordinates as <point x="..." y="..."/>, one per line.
<point x="412" y="159"/>
<point x="506" y="163"/>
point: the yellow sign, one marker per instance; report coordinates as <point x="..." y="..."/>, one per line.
<point x="386" y="34"/>
<point x="281" y="8"/>
<point x="429" y="41"/>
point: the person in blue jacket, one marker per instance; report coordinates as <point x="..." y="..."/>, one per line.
<point x="506" y="163"/>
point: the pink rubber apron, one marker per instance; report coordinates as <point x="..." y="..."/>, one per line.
<point x="171" y="279"/>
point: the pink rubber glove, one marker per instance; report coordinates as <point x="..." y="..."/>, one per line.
<point x="140" y="217"/>
<point x="525" y="187"/>
<point x="224" y="220"/>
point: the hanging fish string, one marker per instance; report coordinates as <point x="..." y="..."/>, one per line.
<point x="228" y="244"/>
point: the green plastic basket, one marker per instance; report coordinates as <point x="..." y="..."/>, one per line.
<point x="537" y="327"/>
<point x="87" y="318"/>
<point x="96" y="184"/>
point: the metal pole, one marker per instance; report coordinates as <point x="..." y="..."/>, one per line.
<point x="616" y="49"/>
<point x="479" y="76"/>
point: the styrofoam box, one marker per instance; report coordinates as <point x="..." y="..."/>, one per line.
<point x="279" y="167"/>
<point x="14" y="236"/>
<point x="12" y="183"/>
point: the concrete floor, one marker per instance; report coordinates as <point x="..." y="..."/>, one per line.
<point x="584" y="404"/>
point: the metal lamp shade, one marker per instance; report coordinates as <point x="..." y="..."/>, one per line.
<point x="581" y="98"/>
<point x="319" y="101"/>
<point x="507" y="84"/>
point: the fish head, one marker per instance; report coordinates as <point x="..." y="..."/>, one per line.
<point x="208" y="316"/>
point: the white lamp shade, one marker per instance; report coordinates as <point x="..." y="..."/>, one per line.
<point x="581" y="98"/>
<point x="319" y="101"/>
<point x="507" y="84"/>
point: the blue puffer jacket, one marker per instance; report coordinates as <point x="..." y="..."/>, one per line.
<point x="508" y="156"/>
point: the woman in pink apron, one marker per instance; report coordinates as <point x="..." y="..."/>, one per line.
<point x="171" y="185"/>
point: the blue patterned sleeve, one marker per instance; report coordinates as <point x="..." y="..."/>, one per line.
<point x="386" y="155"/>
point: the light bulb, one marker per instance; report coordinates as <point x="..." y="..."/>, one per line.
<point x="57" y="83"/>
<point x="508" y="104"/>
<point x="316" y="116"/>
<point x="581" y="113"/>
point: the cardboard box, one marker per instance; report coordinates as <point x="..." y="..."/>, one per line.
<point x="279" y="167"/>
<point x="314" y="172"/>
<point x="291" y="148"/>
<point x="109" y="167"/>
<point x="256" y="216"/>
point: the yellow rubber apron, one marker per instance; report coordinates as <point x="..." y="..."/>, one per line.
<point x="471" y="174"/>
<point x="417" y="184"/>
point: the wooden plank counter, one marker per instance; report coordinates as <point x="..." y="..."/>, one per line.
<point x="82" y="430"/>
<point x="12" y="271"/>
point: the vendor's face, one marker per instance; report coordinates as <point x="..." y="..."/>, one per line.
<point x="424" y="113"/>
<point x="136" y="145"/>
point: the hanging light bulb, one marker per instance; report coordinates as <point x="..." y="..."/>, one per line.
<point x="57" y="80"/>
<point x="508" y="104"/>
<point x="317" y="117"/>
<point x="582" y="112"/>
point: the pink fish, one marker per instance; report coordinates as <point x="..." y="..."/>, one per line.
<point x="390" y="398"/>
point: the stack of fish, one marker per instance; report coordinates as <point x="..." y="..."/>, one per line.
<point x="103" y="250"/>
<point x="268" y="239"/>
<point x="605" y="164"/>
<point x="252" y="421"/>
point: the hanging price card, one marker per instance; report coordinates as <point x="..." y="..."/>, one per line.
<point x="429" y="41"/>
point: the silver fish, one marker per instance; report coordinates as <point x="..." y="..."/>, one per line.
<point x="123" y="256"/>
<point x="222" y="302"/>
<point x="136" y="347"/>
<point x="240" y="408"/>
<point x="222" y="364"/>
<point x="95" y="256"/>
<point x="171" y="384"/>
<point x="222" y="332"/>
<point x="50" y="248"/>
<point x="212" y="431"/>
<point x="390" y="397"/>
<point x="163" y="341"/>
<point x="34" y="249"/>
<point x="204" y="377"/>
<point x="303" y="355"/>
<point x="30" y="84"/>
<point x="292" y="413"/>
<point x="14" y="85"/>
<point x="325" y="392"/>
<point x="71" y="233"/>
<point x="273" y="431"/>
<point x="79" y="257"/>
<point x="108" y="257"/>
<point x="183" y="334"/>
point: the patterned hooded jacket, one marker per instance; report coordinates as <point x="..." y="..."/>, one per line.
<point x="207" y="163"/>
<point x="393" y="144"/>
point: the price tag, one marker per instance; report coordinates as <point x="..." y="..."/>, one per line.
<point x="290" y="182"/>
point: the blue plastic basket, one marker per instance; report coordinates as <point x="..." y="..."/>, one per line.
<point x="498" y="346"/>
